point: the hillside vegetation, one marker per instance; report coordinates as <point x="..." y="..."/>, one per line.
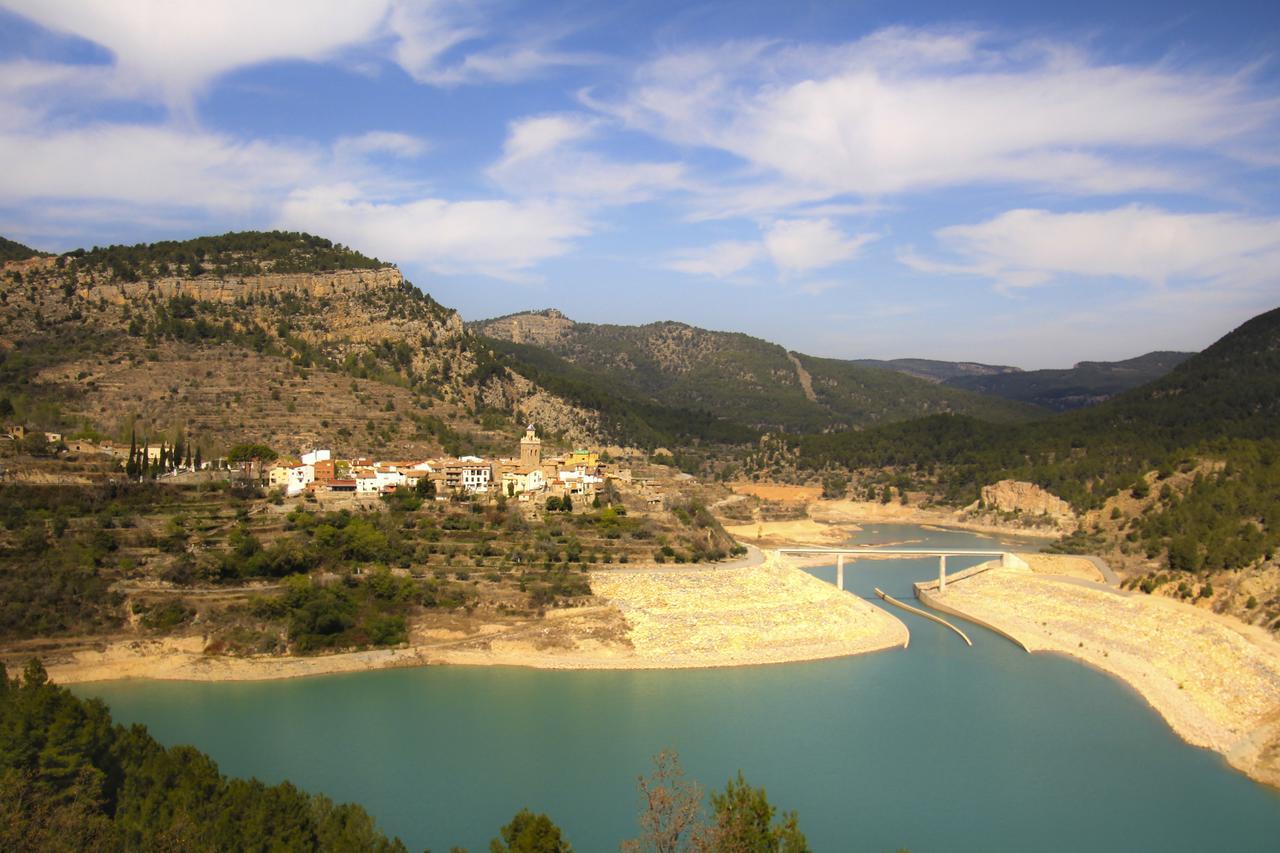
<point x="71" y="779"/>
<point x="1085" y="384"/>
<point x="1181" y="474"/>
<point x="736" y="377"/>
<point x="280" y="338"/>
<point x="13" y="251"/>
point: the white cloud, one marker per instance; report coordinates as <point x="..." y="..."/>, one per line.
<point x="1022" y="248"/>
<point x="547" y="155"/>
<point x="905" y="110"/>
<point x="491" y="237"/>
<point x="178" y="46"/>
<point x="800" y="245"/>
<point x="795" y="246"/>
<point x="400" y="145"/>
<point x="150" y="165"/>
<point x="719" y="260"/>
<point x="175" y="48"/>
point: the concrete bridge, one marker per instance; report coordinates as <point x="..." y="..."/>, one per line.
<point x="1007" y="558"/>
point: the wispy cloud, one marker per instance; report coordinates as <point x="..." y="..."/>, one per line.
<point x="499" y="238"/>
<point x="908" y="110"/>
<point x="799" y="245"/>
<point x="549" y="155"/>
<point x="1023" y="248"/>
<point x="795" y="247"/>
<point x="174" y="49"/>
<point x="719" y="260"/>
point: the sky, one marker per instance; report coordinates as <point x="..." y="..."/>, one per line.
<point x="1028" y="184"/>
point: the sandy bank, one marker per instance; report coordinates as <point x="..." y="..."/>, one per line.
<point x="1215" y="681"/>
<point x="770" y="614"/>
<point x="774" y="534"/>
<point x="873" y="512"/>
<point x="662" y="618"/>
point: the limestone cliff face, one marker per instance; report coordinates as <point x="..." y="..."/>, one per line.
<point x="544" y="328"/>
<point x="1027" y="499"/>
<point x="364" y="323"/>
<point x="551" y="413"/>
<point x="218" y="289"/>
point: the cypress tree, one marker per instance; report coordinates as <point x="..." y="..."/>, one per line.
<point x="131" y="467"/>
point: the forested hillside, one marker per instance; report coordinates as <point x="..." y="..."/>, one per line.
<point x="1086" y="384"/>
<point x="1230" y="391"/>
<point x="70" y="779"/>
<point x="1187" y="466"/>
<point x="735" y="377"/>
<point x="12" y="251"/>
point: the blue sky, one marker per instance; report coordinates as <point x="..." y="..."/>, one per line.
<point x="1025" y="184"/>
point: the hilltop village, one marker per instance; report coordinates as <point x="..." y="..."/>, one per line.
<point x="576" y="474"/>
<point x="581" y="473"/>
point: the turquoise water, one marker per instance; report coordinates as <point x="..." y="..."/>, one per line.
<point x="937" y="748"/>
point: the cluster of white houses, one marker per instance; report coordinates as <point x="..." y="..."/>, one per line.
<point x="577" y="473"/>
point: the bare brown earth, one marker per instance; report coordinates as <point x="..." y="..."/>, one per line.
<point x="646" y="619"/>
<point x="1215" y="681"/>
<point x="871" y="512"/>
<point x="775" y="534"/>
<point x="777" y="491"/>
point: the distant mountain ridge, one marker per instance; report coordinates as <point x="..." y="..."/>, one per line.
<point x="738" y="377"/>
<point x="1085" y="384"/>
<point x="934" y="370"/>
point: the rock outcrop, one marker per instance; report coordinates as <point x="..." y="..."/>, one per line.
<point x="1026" y="499"/>
<point x="224" y="289"/>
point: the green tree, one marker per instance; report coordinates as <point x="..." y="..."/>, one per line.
<point x="35" y="443"/>
<point x="530" y="833"/>
<point x="834" y="486"/>
<point x="743" y="823"/>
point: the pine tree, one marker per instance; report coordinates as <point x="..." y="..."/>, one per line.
<point x="131" y="467"/>
<point x="198" y="459"/>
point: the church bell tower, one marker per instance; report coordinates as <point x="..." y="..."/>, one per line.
<point x="530" y="449"/>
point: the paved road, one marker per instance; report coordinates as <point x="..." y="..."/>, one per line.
<point x="1102" y="566"/>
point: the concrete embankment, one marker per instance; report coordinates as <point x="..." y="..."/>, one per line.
<point x="927" y="593"/>
<point x="884" y="596"/>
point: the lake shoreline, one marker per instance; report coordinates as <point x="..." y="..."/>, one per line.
<point x="1215" y="682"/>
<point x="675" y="618"/>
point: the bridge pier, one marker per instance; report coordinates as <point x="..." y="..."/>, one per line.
<point x="840" y="571"/>
<point x="942" y="573"/>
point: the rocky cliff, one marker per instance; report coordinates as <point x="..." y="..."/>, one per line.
<point x="1026" y="499"/>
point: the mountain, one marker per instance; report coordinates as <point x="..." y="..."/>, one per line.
<point x="936" y="371"/>
<point x="1229" y="391"/>
<point x="276" y="337"/>
<point x="1087" y="383"/>
<point x="290" y="340"/>
<point x="742" y="379"/>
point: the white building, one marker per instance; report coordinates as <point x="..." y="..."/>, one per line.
<point x="314" y="456"/>
<point x="366" y="481"/>
<point x="388" y="478"/>
<point x="576" y="483"/>
<point x="522" y="480"/>
<point x="299" y="477"/>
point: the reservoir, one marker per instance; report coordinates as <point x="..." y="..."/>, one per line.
<point x="939" y="747"/>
